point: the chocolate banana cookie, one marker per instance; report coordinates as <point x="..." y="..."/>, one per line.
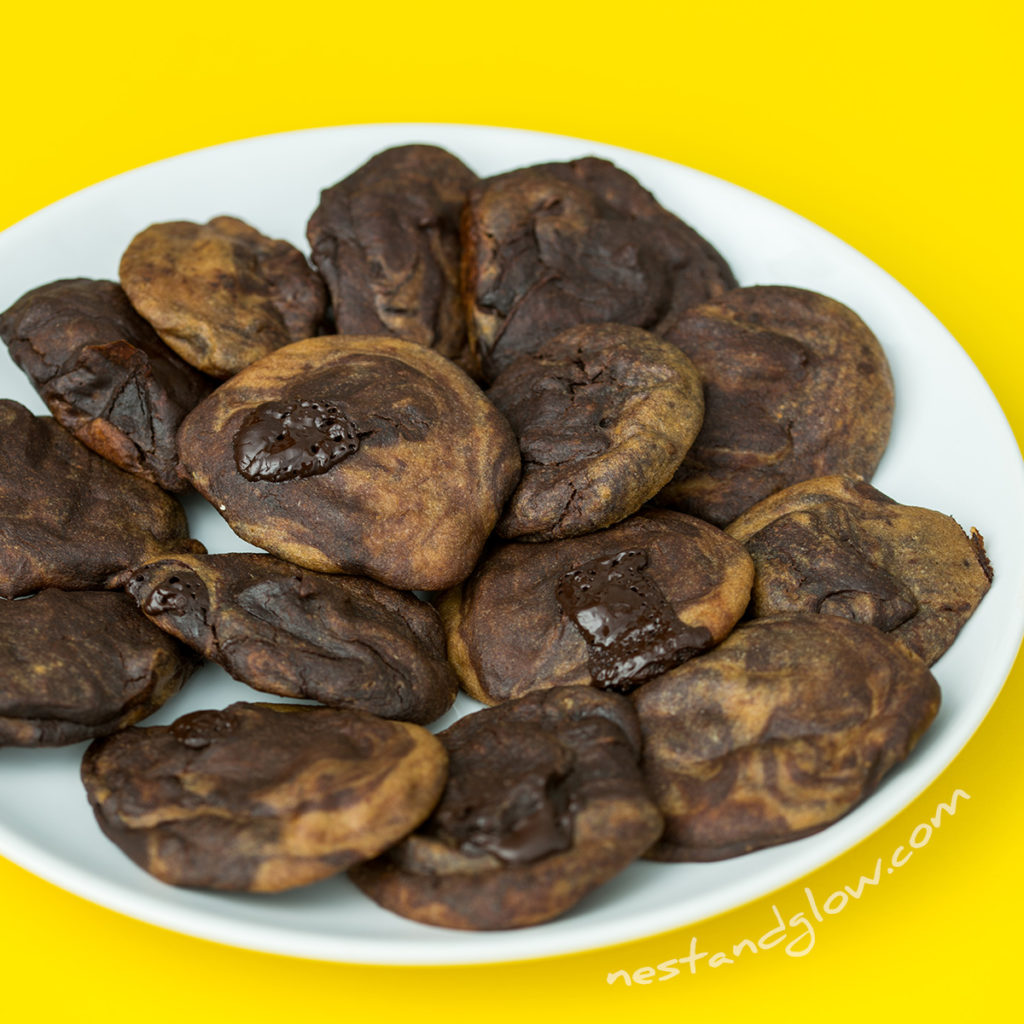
<point x="784" y="727"/>
<point x="795" y="386"/>
<point x="544" y="803"/>
<point x="68" y="517"/>
<point x="552" y="246"/>
<point x="80" y="664"/>
<point x="345" y="641"/>
<point x="221" y="294"/>
<point x="386" y="240"/>
<point x="604" y="414"/>
<point x="373" y="456"/>
<point x="837" y="545"/>
<point x="105" y="374"/>
<point x="610" y="609"/>
<point x="262" y="797"/>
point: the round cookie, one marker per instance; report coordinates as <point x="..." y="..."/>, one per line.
<point x="221" y="294"/>
<point x="104" y="374"/>
<point x="839" y="546"/>
<point x="783" y="728"/>
<point x="552" y="246"/>
<point x="386" y="240"/>
<point x="609" y="609"/>
<point x="795" y="386"/>
<point x="79" y="664"/>
<point x="345" y="641"/>
<point x="71" y="519"/>
<point x="544" y="803"/>
<point x="262" y="797"/>
<point x="604" y="414"/>
<point x="372" y="456"/>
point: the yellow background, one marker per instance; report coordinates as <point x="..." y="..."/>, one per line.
<point x="892" y="125"/>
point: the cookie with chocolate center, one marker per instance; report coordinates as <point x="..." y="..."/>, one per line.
<point x="370" y="456"/>
<point x="386" y="240"/>
<point x="79" y="664"/>
<point x="779" y="731"/>
<point x="69" y="518"/>
<point x="222" y="294"/>
<point x="611" y="609"/>
<point x="795" y="386"/>
<point x="838" y="546"/>
<point x="544" y="803"/>
<point x="345" y="641"/>
<point x="604" y="414"/>
<point x="262" y="797"/>
<point x="560" y="244"/>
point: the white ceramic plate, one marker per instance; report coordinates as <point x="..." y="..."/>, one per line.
<point x="951" y="449"/>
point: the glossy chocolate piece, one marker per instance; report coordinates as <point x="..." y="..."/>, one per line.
<point x="784" y="727"/>
<point x="262" y="797"/>
<point x="79" y="664"/>
<point x="544" y="803"/>
<point x="342" y="640"/>
<point x="837" y="546"/>
<point x="104" y="374"/>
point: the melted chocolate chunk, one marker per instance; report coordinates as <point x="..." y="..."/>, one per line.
<point x="280" y="442"/>
<point x="631" y="631"/>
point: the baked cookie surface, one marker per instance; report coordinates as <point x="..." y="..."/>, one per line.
<point x="262" y="797"/>
<point x="839" y="546"/>
<point x="780" y="730"/>
<point x="795" y="386"/>
<point x="79" y="664"/>
<point x="604" y="414"/>
<point x="386" y="240"/>
<point x="552" y="246"/>
<point x="610" y="609"/>
<point x="69" y="518"/>
<point x="104" y="374"/>
<point x="345" y="641"/>
<point x="371" y="456"/>
<point x="221" y="294"/>
<point x="544" y="803"/>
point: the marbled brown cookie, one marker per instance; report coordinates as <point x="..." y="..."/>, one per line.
<point x="221" y="294"/>
<point x="105" y="374"/>
<point x="262" y="797"/>
<point x="837" y="545"/>
<point x="544" y="802"/>
<point x="345" y="641"/>
<point x="609" y="609"/>
<point x="371" y="456"/>
<point x="386" y="240"/>
<point x="795" y="386"/>
<point x="604" y="414"/>
<point x="552" y="246"/>
<point x="71" y="519"/>
<point x="80" y="664"/>
<point x="784" y="727"/>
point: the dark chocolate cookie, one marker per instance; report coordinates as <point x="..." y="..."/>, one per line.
<point x="345" y="641"/>
<point x="837" y="545"/>
<point x="80" y="664"/>
<point x="795" y="386"/>
<point x="386" y="240"/>
<point x="780" y="730"/>
<point x="610" y="609"/>
<point x="552" y="246"/>
<point x="221" y="294"/>
<point x="544" y="803"/>
<point x="71" y="519"/>
<point x="262" y="797"/>
<point x="604" y="414"/>
<point x="105" y="374"/>
<point x="373" y="456"/>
